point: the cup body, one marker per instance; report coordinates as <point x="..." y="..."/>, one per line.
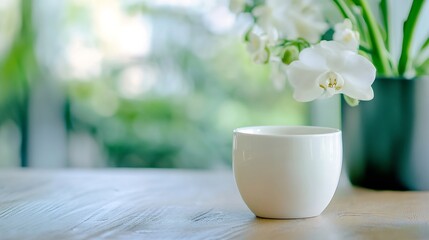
<point x="287" y="171"/>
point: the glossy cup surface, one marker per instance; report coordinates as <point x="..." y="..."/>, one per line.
<point x="287" y="171"/>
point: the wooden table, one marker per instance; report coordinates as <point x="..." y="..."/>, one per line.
<point x="184" y="204"/>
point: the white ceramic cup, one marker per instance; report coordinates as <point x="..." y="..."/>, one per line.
<point x="287" y="171"/>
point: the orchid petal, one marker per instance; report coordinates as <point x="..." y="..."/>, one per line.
<point x="313" y="57"/>
<point x="302" y="79"/>
<point x="308" y="95"/>
<point x="359" y="74"/>
<point x="302" y="76"/>
<point x="364" y="94"/>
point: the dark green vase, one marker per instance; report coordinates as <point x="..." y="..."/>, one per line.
<point x="386" y="140"/>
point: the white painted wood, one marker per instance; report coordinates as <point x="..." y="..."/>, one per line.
<point x="182" y="204"/>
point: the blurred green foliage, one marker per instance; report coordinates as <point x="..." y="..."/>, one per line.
<point x="204" y="87"/>
<point x="18" y="69"/>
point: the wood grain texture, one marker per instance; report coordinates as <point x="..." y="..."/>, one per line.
<point x="183" y="204"/>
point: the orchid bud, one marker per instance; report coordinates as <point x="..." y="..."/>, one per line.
<point x="291" y="53"/>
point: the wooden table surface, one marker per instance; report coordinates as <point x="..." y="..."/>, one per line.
<point x="185" y="204"/>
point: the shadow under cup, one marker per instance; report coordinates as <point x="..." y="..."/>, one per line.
<point x="287" y="171"/>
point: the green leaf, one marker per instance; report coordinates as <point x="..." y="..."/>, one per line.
<point x="423" y="69"/>
<point x="425" y="44"/>
<point x="379" y="56"/>
<point x="346" y="11"/>
<point x="385" y="20"/>
<point x="408" y="33"/>
<point x="365" y="49"/>
<point x="362" y="27"/>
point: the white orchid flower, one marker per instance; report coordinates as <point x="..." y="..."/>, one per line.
<point x="330" y="68"/>
<point x="290" y="19"/>
<point x="257" y="47"/>
<point x="344" y="34"/>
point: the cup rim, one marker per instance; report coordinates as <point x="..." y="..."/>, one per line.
<point x="306" y="131"/>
